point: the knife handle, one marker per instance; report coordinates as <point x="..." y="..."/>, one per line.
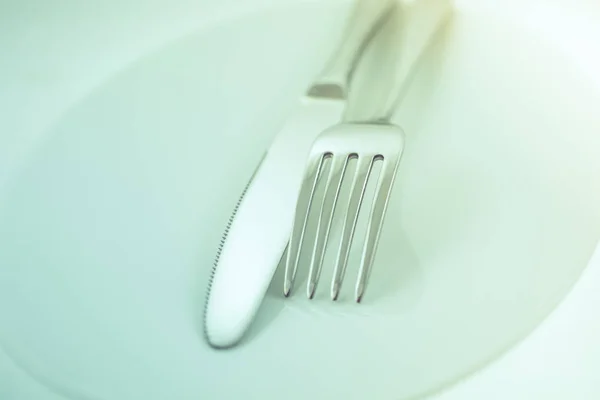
<point x="367" y="17"/>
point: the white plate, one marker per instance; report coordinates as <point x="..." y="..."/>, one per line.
<point x="107" y="234"/>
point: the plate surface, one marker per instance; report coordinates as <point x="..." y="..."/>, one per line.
<point x="108" y="233"/>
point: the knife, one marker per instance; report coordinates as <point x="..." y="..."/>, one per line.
<point x="257" y="233"/>
<point x="259" y="228"/>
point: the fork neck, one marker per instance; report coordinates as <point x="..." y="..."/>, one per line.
<point x="373" y="105"/>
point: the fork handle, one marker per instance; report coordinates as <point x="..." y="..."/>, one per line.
<point x="367" y="17"/>
<point x="399" y="48"/>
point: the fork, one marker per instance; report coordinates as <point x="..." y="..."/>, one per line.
<point x="367" y="139"/>
<point x="367" y="142"/>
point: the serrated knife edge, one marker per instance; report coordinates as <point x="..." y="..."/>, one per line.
<point x="221" y="244"/>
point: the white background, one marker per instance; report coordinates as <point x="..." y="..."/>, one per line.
<point x="49" y="49"/>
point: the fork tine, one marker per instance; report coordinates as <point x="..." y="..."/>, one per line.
<point x="357" y="193"/>
<point x="375" y="223"/>
<point x="332" y="192"/>
<point x="303" y="205"/>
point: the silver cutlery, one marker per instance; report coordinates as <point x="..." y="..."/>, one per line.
<point x="257" y="232"/>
